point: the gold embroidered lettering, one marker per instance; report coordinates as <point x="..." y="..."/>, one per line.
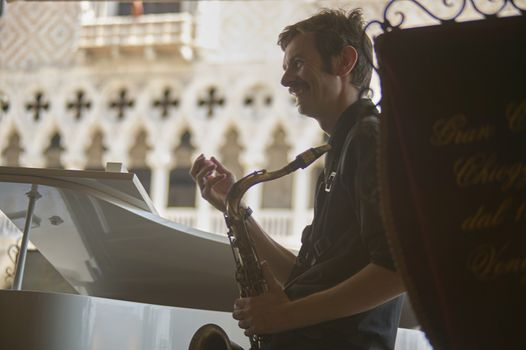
<point x="455" y="131"/>
<point x="484" y="219"/>
<point x="482" y="169"/>
<point x="487" y="264"/>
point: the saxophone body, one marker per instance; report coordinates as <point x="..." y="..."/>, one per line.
<point x="248" y="274"/>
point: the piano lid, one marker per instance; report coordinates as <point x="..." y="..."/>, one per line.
<point x="123" y="185"/>
<point x="101" y="233"/>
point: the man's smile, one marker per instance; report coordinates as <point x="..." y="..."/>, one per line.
<point x="298" y="89"/>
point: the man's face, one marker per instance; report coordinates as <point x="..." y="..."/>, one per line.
<point x="315" y="89"/>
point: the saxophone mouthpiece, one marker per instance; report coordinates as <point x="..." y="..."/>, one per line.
<point x="309" y="156"/>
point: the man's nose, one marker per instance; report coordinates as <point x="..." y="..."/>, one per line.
<point x="286" y="78"/>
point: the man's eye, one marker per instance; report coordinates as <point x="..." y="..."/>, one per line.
<point x="298" y="64"/>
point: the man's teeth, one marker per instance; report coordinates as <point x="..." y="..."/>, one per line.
<point x="296" y="91"/>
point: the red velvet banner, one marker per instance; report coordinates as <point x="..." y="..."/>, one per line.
<point x="453" y="176"/>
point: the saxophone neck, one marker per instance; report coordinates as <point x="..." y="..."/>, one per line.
<point x="237" y="191"/>
<point x="239" y="188"/>
<point x="306" y="158"/>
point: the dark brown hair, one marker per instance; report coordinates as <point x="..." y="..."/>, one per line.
<point x="333" y="30"/>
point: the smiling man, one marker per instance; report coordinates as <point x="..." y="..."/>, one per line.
<point x="342" y="290"/>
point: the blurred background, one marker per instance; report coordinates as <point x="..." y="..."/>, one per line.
<point x="152" y="86"/>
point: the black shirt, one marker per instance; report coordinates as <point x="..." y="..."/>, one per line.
<point x="347" y="233"/>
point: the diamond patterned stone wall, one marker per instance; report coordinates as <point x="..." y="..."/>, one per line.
<point x="36" y="34"/>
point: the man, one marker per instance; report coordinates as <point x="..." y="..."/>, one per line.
<point x="342" y="291"/>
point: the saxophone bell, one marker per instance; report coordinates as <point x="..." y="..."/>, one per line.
<point x="212" y="337"/>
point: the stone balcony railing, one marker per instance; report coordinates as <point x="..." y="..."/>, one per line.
<point x="282" y="225"/>
<point x="148" y="35"/>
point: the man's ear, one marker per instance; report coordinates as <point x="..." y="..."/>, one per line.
<point x="346" y="61"/>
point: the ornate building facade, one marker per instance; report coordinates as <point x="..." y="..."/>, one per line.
<point x="85" y="83"/>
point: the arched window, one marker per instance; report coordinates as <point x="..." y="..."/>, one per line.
<point x="257" y="102"/>
<point x="277" y="193"/>
<point x="11" y="154"/>
<point x="138" y="153"/>
<point x="182" y="189"/>
<point x="230" y="152"/>
<point x="95" y="152"/>
<point x="53" y="153"/>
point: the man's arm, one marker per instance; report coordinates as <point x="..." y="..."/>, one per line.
<point x="279" y="259"/>
<point x="375" y="284"/>
<point x="214" y="182"/>
<point x="273" y="312"/>
<point x="370" y="287"/>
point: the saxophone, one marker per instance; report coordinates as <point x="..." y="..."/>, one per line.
<point x="249" y="276"/>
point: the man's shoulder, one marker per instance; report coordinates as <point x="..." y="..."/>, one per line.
<point x="366" y="129"/>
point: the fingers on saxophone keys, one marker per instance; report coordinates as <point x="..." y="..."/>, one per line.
<point x="244" y="324"/>
<point x="240" y="303"/>
<point x="250" y="332"/>
<point x="239" y="314"/>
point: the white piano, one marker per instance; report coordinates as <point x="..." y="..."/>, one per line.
<point x="143" y="282"/>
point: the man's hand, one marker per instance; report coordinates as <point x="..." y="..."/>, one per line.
<point x="213" y="179"/>
<point x="265" y="313"/>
